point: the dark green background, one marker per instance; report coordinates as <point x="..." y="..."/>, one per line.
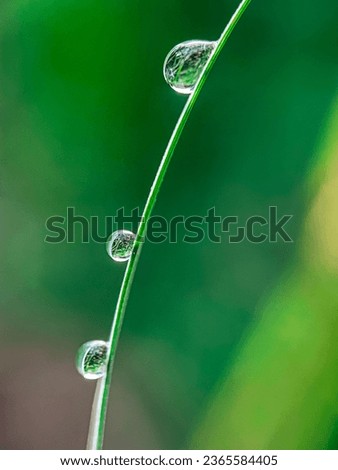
<point x="223" y="346"/>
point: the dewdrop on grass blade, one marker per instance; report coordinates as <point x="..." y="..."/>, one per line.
<point x="184" y="64"/>
<point x="120" y="245"/>
<point x="91" y="359"/>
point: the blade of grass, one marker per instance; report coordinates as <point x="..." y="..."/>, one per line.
<point x="99" y="410"/>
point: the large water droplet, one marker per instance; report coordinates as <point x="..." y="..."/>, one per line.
<point x="91" y="359"/>
<point x="120" y="245"/>
<point x="184" y="64"/>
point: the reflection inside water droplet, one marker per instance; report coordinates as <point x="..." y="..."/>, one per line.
<point x="184" y="64"/>
<point x="91" y="359"/>
<point x="120" y="245"/>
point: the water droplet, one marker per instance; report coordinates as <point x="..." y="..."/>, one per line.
<point x="120" y="245"/>
<point x="184" y="64"/>
<point x="91" y="359"/>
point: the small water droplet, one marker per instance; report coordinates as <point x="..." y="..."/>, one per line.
<point x="120" y="245"/>
<point x="91" y="359"/>
<point x="184" y="64"/>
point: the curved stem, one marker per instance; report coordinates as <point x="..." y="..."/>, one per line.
<point x="99" y="410"/>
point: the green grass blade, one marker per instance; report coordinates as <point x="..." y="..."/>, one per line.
<point x="99" y="410"/>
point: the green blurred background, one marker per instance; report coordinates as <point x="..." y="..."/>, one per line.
<point x="223" y="346"/>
